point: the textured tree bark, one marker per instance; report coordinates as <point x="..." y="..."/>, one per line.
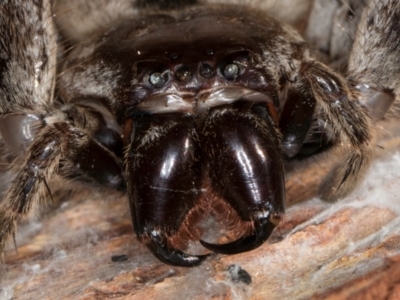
<point x="84" y="248"/>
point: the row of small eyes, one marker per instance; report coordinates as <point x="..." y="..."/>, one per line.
<point x="230" y="71"/>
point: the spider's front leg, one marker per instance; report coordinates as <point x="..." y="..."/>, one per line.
<point x="353" y="129"/>
<point x="52" y="144"/>
<point x="27" y="60"/>
<point x="373" y="74"/>
<point x="78" y="135"/>
<point x="371" y="85"/>
<point x="374" y="63"/>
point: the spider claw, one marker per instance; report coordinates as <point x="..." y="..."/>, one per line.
<point x="262" y="231"/>
<point x="158" y="246"/>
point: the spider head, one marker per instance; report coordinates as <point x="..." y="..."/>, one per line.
<point x="198" y="108"/>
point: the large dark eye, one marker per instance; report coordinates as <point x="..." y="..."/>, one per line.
<point x="231" y="71"/>
<point x="158" y="79"/>
<point x="206" y="70"/>
<point x="183" y="74"/>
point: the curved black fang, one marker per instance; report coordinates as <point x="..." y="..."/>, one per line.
<point x="262" y="231"/>
<point x="159" y="247"/>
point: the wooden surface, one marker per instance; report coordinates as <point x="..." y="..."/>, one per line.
<point x="345" y="250"/>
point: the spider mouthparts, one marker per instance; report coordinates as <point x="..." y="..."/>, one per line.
<point x="262" y="231"/>
<point x="159" y="247"/>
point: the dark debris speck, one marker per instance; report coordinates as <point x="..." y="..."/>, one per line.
<point x="118" y="258"/>
<point x="238" y="274"/>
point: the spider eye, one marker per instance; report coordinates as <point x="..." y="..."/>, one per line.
<point x="158" y="79"/>
<point x="183" y="74"/>
<point x="231" y="71"/>
<point x="206" y="70"/>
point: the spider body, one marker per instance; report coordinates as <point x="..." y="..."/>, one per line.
<point x="164" y="102"/>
